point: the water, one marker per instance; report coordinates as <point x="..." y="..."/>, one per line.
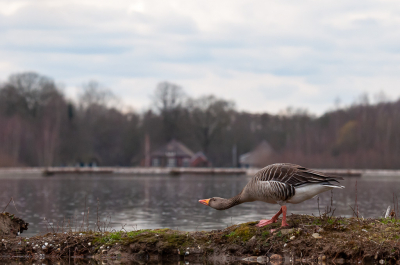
<point x="141" y="202"/>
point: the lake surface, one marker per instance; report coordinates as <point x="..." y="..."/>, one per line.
<point x="141" y="202"/>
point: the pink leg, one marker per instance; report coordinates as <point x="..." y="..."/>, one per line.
<point x="284" y="210"/>
<point x="273" y="219"/>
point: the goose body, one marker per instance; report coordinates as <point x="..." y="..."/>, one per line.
<point x="279" y="184"/>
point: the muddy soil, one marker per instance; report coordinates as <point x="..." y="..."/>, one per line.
<point x="307" y="239"/>
<point x="11" y="225"/>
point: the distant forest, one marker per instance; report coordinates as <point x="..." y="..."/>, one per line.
<point x="39" y="126"/>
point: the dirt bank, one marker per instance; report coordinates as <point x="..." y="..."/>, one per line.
<point x="11" y="225"/>
<point x="308" y="237"/>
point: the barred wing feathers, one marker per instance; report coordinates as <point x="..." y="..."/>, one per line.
<point x="295" y="175"/>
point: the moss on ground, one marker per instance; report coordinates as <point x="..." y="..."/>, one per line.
<point x="348" y="238"/>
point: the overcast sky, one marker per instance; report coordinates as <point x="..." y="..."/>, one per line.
<point x="264" y="55"/>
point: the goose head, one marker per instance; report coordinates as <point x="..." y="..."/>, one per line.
<point x="216" y="203"/>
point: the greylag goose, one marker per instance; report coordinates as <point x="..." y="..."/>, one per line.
<point x="279" y="184"/>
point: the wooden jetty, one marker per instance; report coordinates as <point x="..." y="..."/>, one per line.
<point x="141" y="170"/>
<point x="77" y="170"/>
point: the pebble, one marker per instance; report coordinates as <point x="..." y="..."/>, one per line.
<point x="287" y="231"/>
<point x="89" y="244"/>
<point x="364" y="230"/>
<point x="276" y="257"/>
<point x="381" y="261"/>
<point x="250" y="259"/>
<point x="316" y="235"/>
<point x="262" y="259"/>
<point x="292" y="237"/>
<point x="285" y="245"/>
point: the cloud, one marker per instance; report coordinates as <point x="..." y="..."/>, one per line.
<point x="265" y="55"/>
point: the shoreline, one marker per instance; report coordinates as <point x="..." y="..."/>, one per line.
<point x="307" y="239"/>
<point x="53" y="171"/>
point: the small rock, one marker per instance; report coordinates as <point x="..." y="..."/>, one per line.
<point x="262" y="259"/>
<point x="292" y="237"/>
<point x="252" y="239"/>
<point x="275" y="257"/>
<point x="316" y="235"/>
<point x="186" y="253"/>
<point x="89" y="244"/>
<point x="287" y="231"/>
<point x="251" y="258"/>
<point x="381" y="261"/>
<point x="321" y="230"/>
<point x="285" y="245"/>
<point x="46" y="244"/>
<point x="364" y="230"/>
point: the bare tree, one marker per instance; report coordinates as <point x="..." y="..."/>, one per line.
<point x="210" y="116"/>
<point x="168" y="99"/>
<point x="94" y="94"/>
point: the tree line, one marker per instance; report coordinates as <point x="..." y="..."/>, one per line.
<point x="40" y="126"/>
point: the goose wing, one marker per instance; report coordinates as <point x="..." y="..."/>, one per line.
<point x="294" y="175"/>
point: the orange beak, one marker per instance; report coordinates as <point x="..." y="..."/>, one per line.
<point x="205" y="202"/>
